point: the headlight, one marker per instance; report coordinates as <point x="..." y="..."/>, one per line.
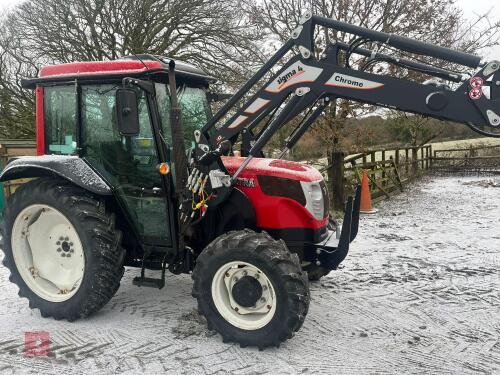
<point x="315" y="198"/>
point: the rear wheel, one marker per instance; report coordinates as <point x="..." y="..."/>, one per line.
<point x="62" y="248"/>
<point x="251" y="289"/>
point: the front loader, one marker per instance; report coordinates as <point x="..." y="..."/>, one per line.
<point x="134" y="170"/>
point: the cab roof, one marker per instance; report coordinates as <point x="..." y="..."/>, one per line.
<point x="128" y="66"/>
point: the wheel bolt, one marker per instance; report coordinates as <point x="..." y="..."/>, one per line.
<point x="71" y="244"/>
<point x="264" y="287"/>
<point x="66" y="239"/>
<point x="262" y="300"/>
<point x="256" y="276"/>
<point x="63" y="255"/>
<point x="235" y="279"/>
<point x="269" y="307"/>
<point x="68" y="255"/>
<point x="236" y="309"/>
<point x="245" y="273"/>
<point x="61" y="238"/>
<point x="72" y="251"/>
<point x="58" y="242"/>
<point x="227" y="274"/>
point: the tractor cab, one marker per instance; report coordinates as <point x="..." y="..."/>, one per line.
<point x="61" y="88"/>
<point x="77" y="116"/>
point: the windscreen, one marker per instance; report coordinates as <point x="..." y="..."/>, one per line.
<point x="195" y="110"/>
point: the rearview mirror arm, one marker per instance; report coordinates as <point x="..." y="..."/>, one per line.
<point x="147" y="86"/>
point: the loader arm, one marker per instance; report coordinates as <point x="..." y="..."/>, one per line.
<point x="305" y="82"/>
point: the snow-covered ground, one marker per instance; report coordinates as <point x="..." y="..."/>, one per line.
<point x="419" y="293"/>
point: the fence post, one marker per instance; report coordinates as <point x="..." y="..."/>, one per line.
<point x="407" y="161"/>
<point x="414" y="161"/>
<point x="337" y="183"/>
<point x="397" y="157"/>
<point x="422" y="157"/>
<point x="427" y="156"/>
<point x="430" y="156"/>
<point x="383" y="169"/>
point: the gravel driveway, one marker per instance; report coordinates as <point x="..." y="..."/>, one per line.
<point x="418" y="293"/>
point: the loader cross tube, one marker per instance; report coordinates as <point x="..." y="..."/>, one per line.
<point x="401" y="42"/>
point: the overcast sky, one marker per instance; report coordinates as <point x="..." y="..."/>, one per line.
<point x="471" y="9"/>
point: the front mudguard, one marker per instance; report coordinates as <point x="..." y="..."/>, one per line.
<point x="333" y="250"/>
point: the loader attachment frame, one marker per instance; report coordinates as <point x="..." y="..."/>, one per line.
<point x="332" y="251"/>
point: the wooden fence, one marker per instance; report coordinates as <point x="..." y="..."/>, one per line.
<point x="388" y="170"/>
<point x="477" y="158"/>
<point x="8" y="149"/>
<point x="391" y="172"/>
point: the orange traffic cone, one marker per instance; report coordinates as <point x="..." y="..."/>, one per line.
<point x="365" y="206"/>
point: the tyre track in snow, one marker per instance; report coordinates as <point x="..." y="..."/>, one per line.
<point x="419" y="293"/>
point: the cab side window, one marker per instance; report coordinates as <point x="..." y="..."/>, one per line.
<point x="60" y="120"/>
<point x="122" y="159"/>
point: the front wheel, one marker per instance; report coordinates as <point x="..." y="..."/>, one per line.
<point x="251" y="289"/>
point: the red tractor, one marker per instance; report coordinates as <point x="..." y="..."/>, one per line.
<point x="134" y="170"/>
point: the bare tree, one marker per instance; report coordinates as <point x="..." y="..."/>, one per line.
<point x="17" y="116"/>
<point x="216" y="35"/>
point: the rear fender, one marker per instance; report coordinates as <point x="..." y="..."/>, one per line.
<point x="71" y="168"/>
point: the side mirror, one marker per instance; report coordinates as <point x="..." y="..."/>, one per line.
<point x="127" y="112"/>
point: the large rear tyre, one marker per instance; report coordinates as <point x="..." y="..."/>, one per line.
<point x="251" y="289"/>
<point x="62" y="248"/>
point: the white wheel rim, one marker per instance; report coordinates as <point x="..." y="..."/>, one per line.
<point x="47" y="252"/>
<point x="247" y="318"/>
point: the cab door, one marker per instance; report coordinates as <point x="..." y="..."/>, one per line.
<point x="129" y="164"/>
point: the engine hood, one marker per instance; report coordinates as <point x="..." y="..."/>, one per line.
<point x="272" y="167"/>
